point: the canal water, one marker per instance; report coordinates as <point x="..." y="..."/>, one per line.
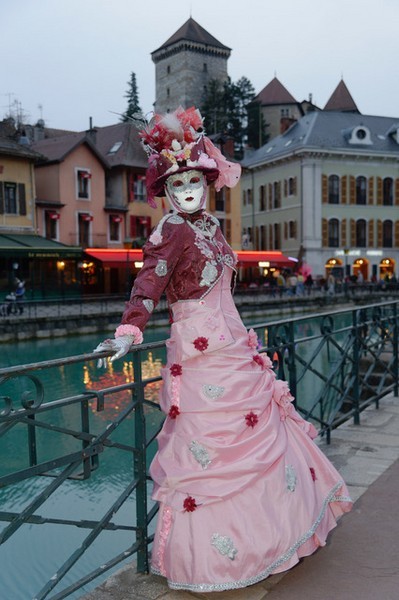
<point x="27" y="562"/>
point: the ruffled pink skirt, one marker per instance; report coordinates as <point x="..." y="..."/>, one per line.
<point x="244" y="491"/>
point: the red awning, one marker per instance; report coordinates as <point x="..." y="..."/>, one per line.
<point x="116" y="257"/>
<point x="251" y="258"/>
<point x="246" y="258"/>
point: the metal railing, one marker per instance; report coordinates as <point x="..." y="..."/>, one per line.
<point x="336" y="364"/>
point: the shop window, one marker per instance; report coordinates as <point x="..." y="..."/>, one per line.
<point x="292" y="229"/>
<point x="387" y="191"/>
<point x="12" y="198"/>
<point x="361" y="236"/>
<point x="262" y="198"/>
<point x="140" y="227"/>
<point x="84" y="228"/>
<point x="292" y="186"/>
<point x="333" y="189"/>
<point x="277" y="236"/>
<point x="333" y="233"/>
<point x="361" y="190"/>
<point x="387" y="234"/>
<point x="83" y="183"/>
<point x="114" y="225"/>
<point x="51" y="218"/>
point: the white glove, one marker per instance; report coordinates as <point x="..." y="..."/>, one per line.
<point x="120" y="345"/>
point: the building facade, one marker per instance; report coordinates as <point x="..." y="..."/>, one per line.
<point x="327" y="192"/>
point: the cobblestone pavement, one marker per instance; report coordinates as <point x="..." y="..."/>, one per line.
<point x="359" y="561"/>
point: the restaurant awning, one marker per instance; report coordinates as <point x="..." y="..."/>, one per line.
<point x="123" y="257"/>
<point x="116" y="257"/>
<point x="35" y="246"/>
<point x="275" y="258"/>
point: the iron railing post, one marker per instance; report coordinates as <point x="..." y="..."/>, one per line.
<point x="140" y="467"/>
<point x="395" y="366"/>
<point x="355" y="366"/>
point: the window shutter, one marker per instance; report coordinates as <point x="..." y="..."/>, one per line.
<point x="396" y="234"/>
<point x="271" y="236"/>
<point x="379" y="190"/>
<point x="279" y="194"/>
<point x="294" y="186"/>
<point x="353" y="232"/>
<point x="397" y="192"/>
<point x="379" y="233"/>
<point x="324" y="232"/>
<point x="22" y="199"/>
<point x="324" y="189"/>
<point x="371" y="233"/>
<point x="270" y="196"/>
<point x="266" y="196"/>
<point x="285" y="188"/>
<point x="212" y="199"/>
<point x="344" y="189"/>
<point x="1" y="199"/>
<point x="343" y="232"/>
<point x="285" y="230"/>
<point x="227" y="197"/>
<point x="352" y="190"/>
<point x="371" y="190"/>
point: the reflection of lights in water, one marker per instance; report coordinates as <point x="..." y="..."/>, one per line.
<point x="110" y="377"/>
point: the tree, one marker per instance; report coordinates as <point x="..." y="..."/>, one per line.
<point x="257" y="135"/>
<point x="225" y="110"/>
<point x="132" y="96"/>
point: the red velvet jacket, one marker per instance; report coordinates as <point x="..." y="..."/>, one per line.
<point x="185" y="256"/>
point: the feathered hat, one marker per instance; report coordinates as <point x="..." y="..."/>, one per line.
<point x="176" y="142"/>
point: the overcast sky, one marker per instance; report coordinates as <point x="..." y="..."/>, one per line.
<point x="67" y="60"/>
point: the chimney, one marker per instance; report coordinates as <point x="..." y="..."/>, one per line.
<point x="92" y="131"/>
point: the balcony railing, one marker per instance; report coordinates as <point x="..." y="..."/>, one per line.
<point x="336" y="364"/>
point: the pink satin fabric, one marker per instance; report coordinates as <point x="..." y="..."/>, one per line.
<point x="267" y="489"/>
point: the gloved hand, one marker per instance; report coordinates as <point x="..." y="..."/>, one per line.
<point x="120" y="345"/>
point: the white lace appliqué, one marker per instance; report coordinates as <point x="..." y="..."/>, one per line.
<point x="149" y="304"/>
<point x="290" y="478"/>
<point x="161" y="269"/>
<point x="200" y="454"/>
<point x="224" y="544"/>
<point x="209" y="274"/>
<point x="212" y="391"/>
<point x="203" y="246"/>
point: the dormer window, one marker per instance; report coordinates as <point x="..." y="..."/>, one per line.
<point x="393" y="132"/>
<point x="360" y="135"/>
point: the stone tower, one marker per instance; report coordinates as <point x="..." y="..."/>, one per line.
<point x="185" y="64"/>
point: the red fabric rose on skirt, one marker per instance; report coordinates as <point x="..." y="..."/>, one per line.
<point x="189" y="504"/>
<point x="251" y="419"/>
<point x="174" y="411"/>
<point x="201" y="343"/>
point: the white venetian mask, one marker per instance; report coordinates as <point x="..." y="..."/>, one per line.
<point x="186" y="191"/>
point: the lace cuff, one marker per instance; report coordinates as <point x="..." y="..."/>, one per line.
<point x="130" y="330"/>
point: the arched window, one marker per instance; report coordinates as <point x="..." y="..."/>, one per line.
<point x="333" y="233"/>
<point x="361" y="236"/>
<point x="387" y="191"/>
<point x="361" y="190"/>
<point x="387" y="234"/>
<point x="333" y="189"/>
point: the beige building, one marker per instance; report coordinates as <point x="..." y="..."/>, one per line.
<point x="327" y="192"/>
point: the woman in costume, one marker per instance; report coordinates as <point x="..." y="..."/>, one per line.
<point x="243" y="490"/>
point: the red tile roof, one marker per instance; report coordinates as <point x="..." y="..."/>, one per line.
<point x="275" y="93"/>
<point x="341" y="100"/>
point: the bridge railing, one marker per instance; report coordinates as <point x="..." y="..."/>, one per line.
<point x="336" y="364"/>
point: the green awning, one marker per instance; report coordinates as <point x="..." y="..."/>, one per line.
<point x="35" y="246"/>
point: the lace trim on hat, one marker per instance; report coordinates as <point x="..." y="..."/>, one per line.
<point x="234" y="585"/>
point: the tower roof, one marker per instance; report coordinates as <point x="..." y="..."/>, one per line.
<point x="275" y="93"/>
<point x="341" y="100"/>
<point x="191" y="31"/>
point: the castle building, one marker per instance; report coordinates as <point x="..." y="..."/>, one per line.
<point x="184" y="66"/>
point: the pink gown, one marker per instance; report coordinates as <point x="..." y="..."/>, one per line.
<point x="244" y="491"/>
